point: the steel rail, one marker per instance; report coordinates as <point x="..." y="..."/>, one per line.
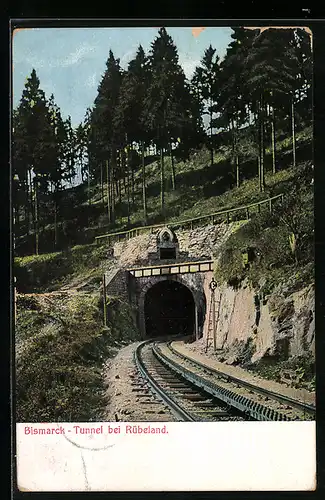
<point x="245" y="405"/>
<point x="264" y="392"/>
<point x="177" y="409"/>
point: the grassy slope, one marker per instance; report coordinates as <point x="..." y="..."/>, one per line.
<point x="51" y="271"/>
<point x="61" y="343"/>
<point x="61" y="346"/>
<point x="201" y="189"/>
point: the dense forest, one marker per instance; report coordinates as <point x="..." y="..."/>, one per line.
<point x="259" y="93"/>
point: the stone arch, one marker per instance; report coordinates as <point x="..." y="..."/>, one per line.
<point x="166" y="234"/>
<point x="198" y="297"/>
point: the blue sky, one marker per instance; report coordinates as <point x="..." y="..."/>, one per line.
<point x="71" y="61"/>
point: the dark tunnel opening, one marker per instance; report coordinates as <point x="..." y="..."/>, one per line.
<point x="169" y="309"/>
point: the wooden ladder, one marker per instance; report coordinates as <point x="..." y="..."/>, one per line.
<point x="213" y="321"/>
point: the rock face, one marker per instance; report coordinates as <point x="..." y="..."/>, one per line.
<point x="199" y="243"/>
<point x="250" y="328"/>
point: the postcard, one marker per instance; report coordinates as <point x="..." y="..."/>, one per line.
<point x="163" y="258"/>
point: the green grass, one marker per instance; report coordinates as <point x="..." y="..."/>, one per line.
<point x="202" y="189"/>
<point x="47" y="272"/>
<point x="272" y="261"/>
<point x="298" y="372"/>
<point x="61" y="346"/>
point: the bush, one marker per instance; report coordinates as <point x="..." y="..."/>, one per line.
<point x="269" y="238"/>
<point x="60" y="355"/>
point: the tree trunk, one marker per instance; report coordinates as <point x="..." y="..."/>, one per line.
<point x="82" y="170"/>
<point x="16" y="220"/>
<point x="262" y="181"/>
<point x="237" y="171"/>
<point x="117" y="191"/>
<point x="55" y="222"/>
<point x="101" y="182"/>
<point x="120" y="190"/>
<point x="31" y="209"/>
<point x="25" y="207"/>
<point x="26" y="215"/>
<point x="293" y="131"/>
<point x="128" y="181"/>
<point x="211" y="145"/>
<point x="132" y="179"/>
<point x="112" y="185"/>
<point x="36" y="218"/>
<point x="108" y="193"/>
<point x="119" y="167"/>
<point x="123" y="171"/>
<point x="273" y="141"/>
<point x="235" y="153"/>
<point x="162" y="181"/>
<point x="144" y="184"/>
<point x="173" y="167"/>
<point x="259" y="169"/>
<point x="89" y="202"/>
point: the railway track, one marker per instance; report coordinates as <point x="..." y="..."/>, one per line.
<point x="194" y="392"/>
<point x="294" y="407"/>
<point x="186" y="401"/>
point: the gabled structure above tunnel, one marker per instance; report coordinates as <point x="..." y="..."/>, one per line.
<point x="167" y="247"/>
<point x="167" y="244"/>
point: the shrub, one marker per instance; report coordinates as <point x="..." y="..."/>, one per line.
<point x="60" y="356"/>
<point x="269" y="236"/>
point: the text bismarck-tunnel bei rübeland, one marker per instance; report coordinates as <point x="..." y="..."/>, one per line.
<point x="101" y="429"/>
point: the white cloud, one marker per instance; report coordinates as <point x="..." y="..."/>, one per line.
<point x="91" y="80"/>
<point x="189" y="66"/>
<point x="71" y="59"/>
<point x="75" y="56"/>
<point x="128" y="56"/>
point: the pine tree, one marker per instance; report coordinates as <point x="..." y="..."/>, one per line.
<point x="268" y="78"/>
<point x="205" y="79"/>
<point x="59" y="166"/>
<point x="70" y="151"/>
<point x="164" y="109"/>
<point x="81" y="149"/>
<point x="231" y="105"/>
<point x="34" y="146"/>
<point x="129" y="117"/>
<point x="103" y="134"/>
<point x="20" y="188"/>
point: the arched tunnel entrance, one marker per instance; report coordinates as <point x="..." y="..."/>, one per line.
<point x="169" y="309"/>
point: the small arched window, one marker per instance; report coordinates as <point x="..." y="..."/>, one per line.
<point x="165" y="236"/>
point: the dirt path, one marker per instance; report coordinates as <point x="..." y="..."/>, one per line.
<point x="126" y="402"/>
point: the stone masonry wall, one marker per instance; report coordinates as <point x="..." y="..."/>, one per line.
<point x="118" y="284"/>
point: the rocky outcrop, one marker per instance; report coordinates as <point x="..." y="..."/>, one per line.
<point x="251" y="327"/>
<point x="200" y="243"/>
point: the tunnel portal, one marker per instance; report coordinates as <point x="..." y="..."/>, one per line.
<point x="169" y="309"/>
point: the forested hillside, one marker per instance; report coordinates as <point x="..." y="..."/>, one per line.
<point x="155" y="146"/>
